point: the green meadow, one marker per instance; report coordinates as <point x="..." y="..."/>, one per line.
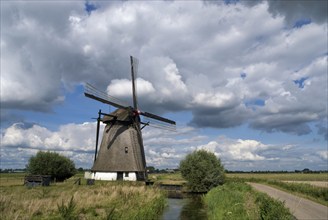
<point x="134" y="200"/>
<point x="281" y="176"/>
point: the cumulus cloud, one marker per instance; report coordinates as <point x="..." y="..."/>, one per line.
<point x="323" y="155"/>
<point x="296" y="10"/>
<point x="167" y="150"/>
<point x="70" y="137"/>
<point x="122" y="87"/>
<point x="163" y="149"/>
<point x="238" y="64"/>
<point x="226" y="149"/>
<point x="21" y="141"/>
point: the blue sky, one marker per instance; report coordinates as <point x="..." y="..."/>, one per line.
<point x="246" y="80"/>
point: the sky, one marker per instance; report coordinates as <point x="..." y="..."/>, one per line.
<point x="246" y="80"/>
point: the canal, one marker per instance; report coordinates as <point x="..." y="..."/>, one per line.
<point x="185" y="207"/>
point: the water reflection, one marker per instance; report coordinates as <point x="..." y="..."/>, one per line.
<point x="193" y="208"/>
<point x="189" y="208"/>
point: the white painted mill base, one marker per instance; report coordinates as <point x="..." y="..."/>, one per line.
<point x="110" y="176"/>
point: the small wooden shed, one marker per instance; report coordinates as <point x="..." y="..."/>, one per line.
<point x="37" y="180"/>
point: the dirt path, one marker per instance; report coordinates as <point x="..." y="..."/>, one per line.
<point x="301" y="208"/>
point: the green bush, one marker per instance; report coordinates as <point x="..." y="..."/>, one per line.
<point x="202" y="170"/>
<point x="51" y="163"/>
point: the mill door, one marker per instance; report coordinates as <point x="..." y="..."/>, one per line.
<point x="119" y="175"/>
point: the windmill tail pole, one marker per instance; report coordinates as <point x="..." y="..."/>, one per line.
<point x="97" y="135"/>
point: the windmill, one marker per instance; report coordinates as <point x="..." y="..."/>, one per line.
<point x="121" y="155"/>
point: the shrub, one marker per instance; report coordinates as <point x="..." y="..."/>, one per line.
<point x="202" y="170"/>
<point x="51" y="163"/>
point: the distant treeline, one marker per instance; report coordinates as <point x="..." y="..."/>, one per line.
<point x="306" y="170"/>
<point x="12" y="170"/>
<point x="153" y="170"/>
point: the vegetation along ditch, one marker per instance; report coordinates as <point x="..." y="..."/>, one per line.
<point x="232" y="200"/>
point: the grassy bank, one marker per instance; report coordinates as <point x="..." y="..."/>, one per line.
<point x="105" y="200"/>
<point x="237" y="200"/>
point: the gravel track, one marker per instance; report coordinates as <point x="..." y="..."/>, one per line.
<point x="301" y="208"/>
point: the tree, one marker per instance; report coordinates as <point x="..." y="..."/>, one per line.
<point x="150" y="169"/>
<point x="202" y="170"/>
<point x="51" y="163"/>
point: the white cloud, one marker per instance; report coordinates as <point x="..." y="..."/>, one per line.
<point x="236" y="149"/>
<point x="122" y="88"/>
<point x="162" y="148"/>
<point x="218" y="100"/>
<point x="323" y="155"/>
<point x="70" y="137"/>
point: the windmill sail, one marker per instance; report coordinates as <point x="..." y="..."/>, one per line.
<point x="150" y="115"/>
<point x="93" y="93"/>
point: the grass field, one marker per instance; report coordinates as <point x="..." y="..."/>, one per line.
<point x="167" y="178"/>
<point x="176" y="177"/>
<point x="281" y="176"/>
<point x="104" y="200"/>
<point x="12" y="179"/>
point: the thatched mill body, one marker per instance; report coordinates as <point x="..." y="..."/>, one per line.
<point x="121" y="155"/>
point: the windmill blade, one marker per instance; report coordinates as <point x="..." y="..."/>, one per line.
<point x="157" y="124"/>
<point x="93" y="93"/>
<point x="159" y="118"/>
<point x="163" y="127"/>
<point x="134" y="68"/>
